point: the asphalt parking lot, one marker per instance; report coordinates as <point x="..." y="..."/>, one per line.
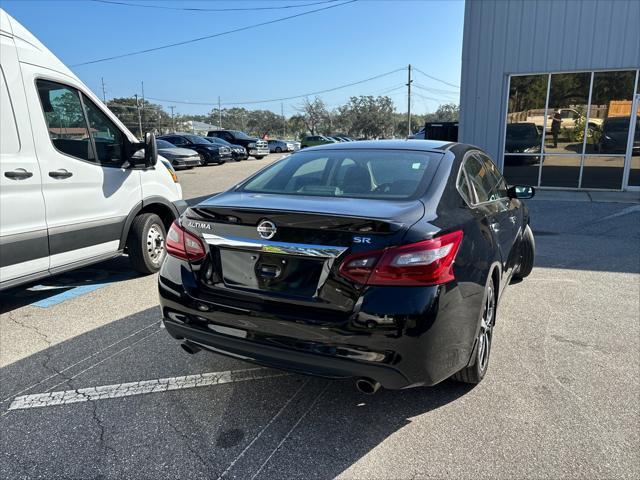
<point x="92" y="387"/>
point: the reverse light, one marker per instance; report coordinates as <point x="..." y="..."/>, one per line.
<point x="182" y="244"/>
<point x="424" y="263"/>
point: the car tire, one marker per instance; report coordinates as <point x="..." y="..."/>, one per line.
<point x="145" y="243"/>
<point x="259" y="157"/>
<point x="474" y="373"/>
<point x="278" y="150"/>
<point x="527" y="255"/>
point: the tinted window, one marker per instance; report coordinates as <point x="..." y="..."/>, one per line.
<point x="500" y="190"/>
<point x="177" y="140"/>
<point x="388" y="174"/>
<point x="483" y="181"/>
<point x="163" y="144"/>
<point x="198" y="140"/>
<point x="107" y="137"/>
<point x="463" y="188"/>
<point x="65" y="119"/>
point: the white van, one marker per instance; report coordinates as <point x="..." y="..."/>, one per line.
<point x="76" y="187"/>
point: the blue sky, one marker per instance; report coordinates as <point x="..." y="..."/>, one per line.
<point x="306" y="54"/>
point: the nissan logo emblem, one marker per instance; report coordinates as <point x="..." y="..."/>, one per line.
<point x="266" y="229"/>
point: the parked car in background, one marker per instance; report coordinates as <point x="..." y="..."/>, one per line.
<point x="238" y="152"/>
<point x="522" y="138"/>
<point x="209" y="152"/>
<point x="254" y="146"/>
<point x="76" y="187"/>
<point x="614" y="135"/>
<point x="278" y="146"/>
<point x="179" y="157"/>
<point x="384" y="261"/>
<point x="296" y="144"/>
<point x="570" y="117"/>
<point x="313" y="140"/>
<point x="345" y="139"/>
<point x="336" y="139"/>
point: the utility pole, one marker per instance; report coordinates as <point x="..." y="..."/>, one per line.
<point x="104" y="92"/>
<point x="139" y="117"/>
<point x="409" y="82"/>
<point x="142" y="83"/>
<point x="284" y="123"/>
<point x="173" y="125"/>
<point x="219" y="114"/>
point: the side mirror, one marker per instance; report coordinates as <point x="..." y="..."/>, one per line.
<point x="150" y="150"/>
<point x="521" y="192"/>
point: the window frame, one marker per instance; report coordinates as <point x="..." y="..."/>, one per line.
<point x="96" y="162"/>
<point x="472" y="190"/>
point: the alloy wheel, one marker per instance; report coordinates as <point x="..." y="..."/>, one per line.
<point x="486" y="328"/>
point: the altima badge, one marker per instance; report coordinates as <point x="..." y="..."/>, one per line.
<point x="266" y="229"/>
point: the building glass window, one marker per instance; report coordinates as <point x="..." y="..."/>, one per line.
<point x="571" y="130"/>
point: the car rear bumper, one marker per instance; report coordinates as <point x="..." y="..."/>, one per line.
<point x="286" y="359"/>
<point x="400" y="337"/>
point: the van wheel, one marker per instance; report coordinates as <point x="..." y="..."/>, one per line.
<point x="259" y="157"/>
<point x="145" y="243"/>
<point x="476" y="372"/>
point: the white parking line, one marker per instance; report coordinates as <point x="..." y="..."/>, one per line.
<point x="139" y="388"/>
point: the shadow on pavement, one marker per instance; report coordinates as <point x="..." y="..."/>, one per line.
<point x="52" y="290"/>
<point x="284" y="427"/>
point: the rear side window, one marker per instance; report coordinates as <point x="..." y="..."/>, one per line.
<point x="376" y="174"/>
<point x="484" y="178"/>
<point x="65" y="119"/>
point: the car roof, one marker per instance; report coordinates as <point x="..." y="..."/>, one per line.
<point x="410" y="144"/>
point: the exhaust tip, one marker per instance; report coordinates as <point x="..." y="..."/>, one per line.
<point x="367" y="386"/>
<point x="189" y="347"/>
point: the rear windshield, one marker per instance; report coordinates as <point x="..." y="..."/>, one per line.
<point x="382" y="174"/>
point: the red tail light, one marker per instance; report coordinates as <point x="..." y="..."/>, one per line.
<point x="424" y="263"/>
<point x="182" y="244"/>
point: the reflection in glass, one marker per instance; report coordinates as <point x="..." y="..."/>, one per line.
<point x="602" y="172"/>
<point x="610" y="111"/>
<point x="567" y="109"/>
<point x="527" y="97"/>
<point x="521" y="169"/>
<point x="634" y="170"/>
<point x="560" y="171"/>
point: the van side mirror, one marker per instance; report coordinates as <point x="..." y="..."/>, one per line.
<point x="136" y="158"/>
<point x="521" y="192"/>
<point x="150" y="150"/>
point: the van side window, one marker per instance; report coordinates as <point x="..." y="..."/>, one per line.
<point x="65" y="119"/>
<point x="9" y="140"/>
<point x="106" y="136"/>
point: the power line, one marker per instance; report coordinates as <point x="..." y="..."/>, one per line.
<point x="207" y="37"/>
<point x="436" y="78"/>
<point x="197" y="9"/>
<point x="436" y="90"/>
<point x="273" y="100"/>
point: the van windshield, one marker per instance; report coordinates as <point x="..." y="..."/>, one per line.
<point x="376" y="174"/>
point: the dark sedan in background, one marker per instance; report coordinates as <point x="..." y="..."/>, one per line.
<point x="209" y="153"/>
<point x="179" y="157"/>
<point x="382" y="260"/>
<point x="614" y="135"/>
<point x="238" y="152"/>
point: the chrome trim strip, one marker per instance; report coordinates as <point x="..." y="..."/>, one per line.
<point x="283" y="248"/>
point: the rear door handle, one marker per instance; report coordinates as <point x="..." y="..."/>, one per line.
<point x="62" y="174"/>
<point x="18" y="174"/>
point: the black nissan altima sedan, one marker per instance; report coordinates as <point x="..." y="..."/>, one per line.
<point x="382" y="261"/>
